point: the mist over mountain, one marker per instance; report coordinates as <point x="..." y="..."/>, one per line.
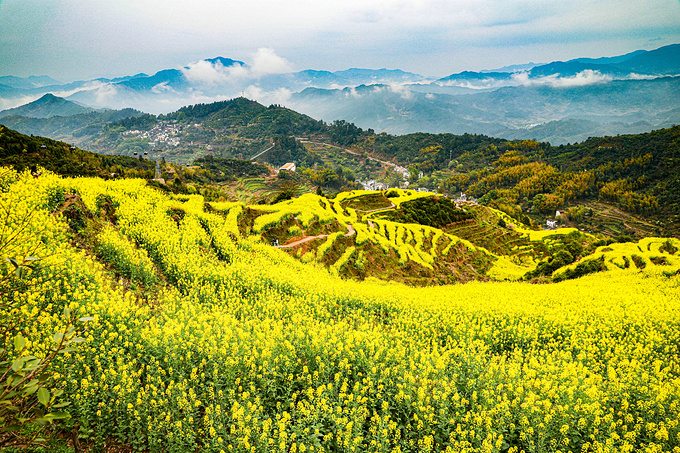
<point x="46" y="107"/>
<point x="28" y="83"/>
<point x="634" y="92"/>
<point x="511" y="112"/>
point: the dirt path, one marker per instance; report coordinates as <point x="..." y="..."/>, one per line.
<point x="349" y="233"/>
<point x="392" y="205"/>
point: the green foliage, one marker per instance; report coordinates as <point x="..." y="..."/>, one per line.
<point x="220" y="170"/>
<point x="474" y="151"/>
<point x="142" y="122"/>
<point x="638" y="173"/>
<point x="436" y="212"/>
<point x="338" y="179"/>
<point x="25" y="152"/>
<point x="638" y="261"/>
<point x="547" y="267"/>
<point x="287" y="190"/>
<point x="344" y="133"/>
<point x="93" y="124"/>
<point x="583" y="268"/>
<point x="29" y="399"/>
<point x="288" y="149"/>
<point x="668" y="247"/>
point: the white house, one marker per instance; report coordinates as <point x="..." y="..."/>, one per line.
<point x="372" y="184"/>
<point x="290" y="166"/>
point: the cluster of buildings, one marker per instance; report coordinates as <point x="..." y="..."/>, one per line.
<point x="372" y="184"/>
<point x="164" y="133"/>
<point x="463" y="200"/>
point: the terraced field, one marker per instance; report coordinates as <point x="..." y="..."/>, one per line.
<point x="196" y="335"/>
<point x="479" y="248"/>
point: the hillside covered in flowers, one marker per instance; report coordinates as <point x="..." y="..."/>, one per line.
<point x="157" y="322"/>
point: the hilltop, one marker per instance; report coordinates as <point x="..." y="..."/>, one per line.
<point x="47" y="106"/>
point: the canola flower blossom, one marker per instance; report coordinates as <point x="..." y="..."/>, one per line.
<point x="240" y="347"/>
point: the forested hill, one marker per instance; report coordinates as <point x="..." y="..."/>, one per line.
<point x="650" y="162"/>
<point x="639" y="174"/>
<point x="226" y="129"/>
<point x="22" y="152"/>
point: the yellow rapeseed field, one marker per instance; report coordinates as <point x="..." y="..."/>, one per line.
<point x="216" y="343"/>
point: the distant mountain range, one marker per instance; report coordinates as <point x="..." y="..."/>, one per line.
<point x="508" y="112"/>
<point x="46" y="107"/>
<point x="558" y="101"/>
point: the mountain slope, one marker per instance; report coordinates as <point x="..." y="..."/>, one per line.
<point x="74" y="129"/>
<point x="47" y="107"/>
<point x="27" y="83"/>
<point x="399" y="110"/>
<point x="23" y="152"/>
<point x="662" y="61"/>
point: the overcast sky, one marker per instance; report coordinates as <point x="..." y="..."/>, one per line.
<point x="83" y="39"/>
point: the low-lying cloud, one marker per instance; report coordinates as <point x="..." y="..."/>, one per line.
<point x="264" y="62"/>
<point x="10" y="103"/>
<point x="402" y="90"/>
<point x="212" y="74"/>
<point x="482" y="84"/>
<point x="583" y="78"/>
<point x="94" y="85"/>
<point x="280" y="96"/>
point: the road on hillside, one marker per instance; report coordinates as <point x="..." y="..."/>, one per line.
<point x="349" y="233"/>
<point x="261" y="153"/>
<point x="398" y="168"/>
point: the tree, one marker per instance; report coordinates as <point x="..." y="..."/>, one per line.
<point x="28" y="396"/>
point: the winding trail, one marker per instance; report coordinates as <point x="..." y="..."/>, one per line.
<point x="349" y="233"/>
<point x="392" y="206"/>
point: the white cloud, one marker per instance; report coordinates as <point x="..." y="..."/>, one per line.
<point x="402" y="90"/>
<point x="634" y="76"/>
<point x="93" y="85"/>
<point x="105" y="93"/>
<point x="10" y="103"/>
<point x="162" y="88"/>
<point x="583" y="78"/>
<point x="207" y="73"/>
<point x="265" y="61"/>
<point x="352" y="92"/>
<point x="280" y="96"/>
<point x="483" y="84"/>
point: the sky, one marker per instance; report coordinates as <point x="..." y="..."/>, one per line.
<point x="84" y="39"/>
